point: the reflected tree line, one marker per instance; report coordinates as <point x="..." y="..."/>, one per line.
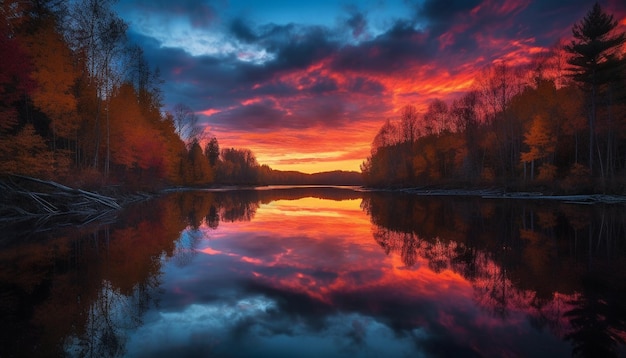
<point x="211" y="207"/>
<point x="562" y="264"/>
<point x="79" y="291"/>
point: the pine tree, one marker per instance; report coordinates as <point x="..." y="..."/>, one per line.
<point x="593" y="59"/>
<point x="212" y="151"/>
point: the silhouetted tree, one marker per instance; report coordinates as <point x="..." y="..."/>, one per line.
<point x="593" y="60"/>
<point x="99" y="36"/>
<point x="464" y="114"/>
<point x="409" y="130"/>
<point x="597" y="320"/>
<point x="185" y="122"/>
<point x="212" y="151"/>
<point x="201" y="172"/>
<point x="436" y="118"/>
<point x="237" y="166"/>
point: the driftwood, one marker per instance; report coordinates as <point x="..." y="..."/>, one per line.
<point x="25" y="198"/>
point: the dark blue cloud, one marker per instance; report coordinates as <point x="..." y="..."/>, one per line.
<point x="442" y="35"/>
<point x="358" y="24"/>
<point x="242" y="31"/>
<point x="401" y="46"/>
<point x="260" y="116"/>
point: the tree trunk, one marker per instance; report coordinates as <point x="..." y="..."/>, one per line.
<point x="592" y="120"/>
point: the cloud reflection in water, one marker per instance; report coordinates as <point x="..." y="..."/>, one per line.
<point x="306" y="276"/>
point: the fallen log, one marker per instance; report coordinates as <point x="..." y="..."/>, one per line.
<point x="24" y="197"/>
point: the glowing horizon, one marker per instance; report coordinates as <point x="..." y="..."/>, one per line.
<point x="308" y="93"/>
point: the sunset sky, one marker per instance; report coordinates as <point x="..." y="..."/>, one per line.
<point x="306" y="84"/>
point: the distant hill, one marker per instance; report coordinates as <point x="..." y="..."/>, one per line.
<point x="270" y="176"/>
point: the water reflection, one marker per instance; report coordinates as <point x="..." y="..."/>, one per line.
<point x="77" y="290"/>
<point x="561" y="264"/>
<point x="321" y="272"/>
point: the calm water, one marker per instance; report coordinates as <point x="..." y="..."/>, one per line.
<point x="320" y="272"/>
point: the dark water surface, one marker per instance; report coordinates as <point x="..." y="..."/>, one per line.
<point x="320" y="272"/>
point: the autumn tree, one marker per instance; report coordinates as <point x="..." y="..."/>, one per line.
<point x="594" y="61"/>
<point x="127" y="127"/>
<point x="98" y="35"/>
<point x="388" y="135"/>
<point x="237" y="166"/>
<point x="25" y="153"/>
<point x="22" y="149"/>
<point x="175" y="151"/>
<point x="572" y="122"/>
<point x="56" y="77"/>
<point x="15" y="68"/>
<point x="550" y="65"/>
<point x="212" y="151"/>
<point x="540" y="141"/>
<point x="201" y="172"/>
<point x="409" y="128"/>
<point x="497" y="85"/>
<point x="464" y="115"/>
<point x="436" y="118"/>
<point x="73" y="91"/>
<point x="139" y="151"/>
<point x="389" y="162"/>
<point x="377" y="167"/>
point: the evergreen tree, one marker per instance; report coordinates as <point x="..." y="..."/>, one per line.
<point x="201" y="172"/>
<point x="212" y="151"/>
<point x="593" y="59"/>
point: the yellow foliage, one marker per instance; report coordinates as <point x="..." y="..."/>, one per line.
<point x="539" y="139"/>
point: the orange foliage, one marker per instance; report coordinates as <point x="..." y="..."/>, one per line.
<point x="26" y="153"/>
<point x="547" y="172"/>
<point x="540" y="139"/>
<point x="135" y="142"/>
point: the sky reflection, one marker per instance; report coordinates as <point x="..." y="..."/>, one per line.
<point x="305" y="277"/>
<point x="258" y="273"/>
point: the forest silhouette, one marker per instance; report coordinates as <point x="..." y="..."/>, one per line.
<point x="81" y="105"/>
<point x="557" y="124"/>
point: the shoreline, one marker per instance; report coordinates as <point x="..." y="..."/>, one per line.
<point x="26" y="198"/>
<point x="501" y="193"/>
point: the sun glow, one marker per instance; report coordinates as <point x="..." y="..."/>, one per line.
<point x="310" y="99"/>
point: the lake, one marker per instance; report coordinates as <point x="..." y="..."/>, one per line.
<point x="315" y="271"/>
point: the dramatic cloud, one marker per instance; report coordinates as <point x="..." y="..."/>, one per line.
<point x="316" y="82"/>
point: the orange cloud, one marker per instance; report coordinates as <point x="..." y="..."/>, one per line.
<point x="321" y="112"/>
<point x="209" y="112"/>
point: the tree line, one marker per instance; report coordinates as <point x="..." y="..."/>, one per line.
<point x="559" y="123"/>
<point x="79" y="103"/>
